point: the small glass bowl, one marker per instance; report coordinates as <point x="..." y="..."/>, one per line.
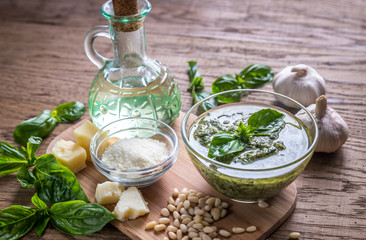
<point x="129" y="128"/>
<point x="247" y="183"/>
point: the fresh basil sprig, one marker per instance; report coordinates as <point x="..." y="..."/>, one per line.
<point x="71" y="217"/>
<point x="43" y="124"/>
<point x="263" y="122"/>
<point x="254" y="76"/>
<point x="196" y="87"/>
<point x="53" y="182"/>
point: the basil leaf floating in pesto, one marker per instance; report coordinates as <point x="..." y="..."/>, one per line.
<point x="16" y="221"/>
<point x="262" y="122"/>
<point x="43" y="124"/>
<point x="224" y="143"/>
<point x="11" y="159"/>
<point x="256" y="75"/>
<point x="196" y="87"/>
<point x="79" y="218"/>
<point x="68" y="112"/>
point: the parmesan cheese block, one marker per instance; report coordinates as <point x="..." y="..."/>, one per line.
<point x="108" y="192"/>
<point x="84" y="134"/>
<point x="70" y="155"/>
<point x="130" y="205"/>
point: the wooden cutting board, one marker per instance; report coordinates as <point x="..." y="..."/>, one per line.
<point x="183" y="174"/>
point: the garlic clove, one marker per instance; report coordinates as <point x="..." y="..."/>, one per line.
<point x="301" y="83"/>
<point x="333" y="130"/>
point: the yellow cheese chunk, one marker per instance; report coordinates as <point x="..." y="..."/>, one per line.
<point x="84" y="134"/>
<point x="70" y="155"/>
<point x="108" y="192"/>
<point x="131" y="205"/>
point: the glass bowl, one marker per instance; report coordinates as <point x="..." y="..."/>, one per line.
<point x="264" y="177"/>
<point x="129" y="128"/>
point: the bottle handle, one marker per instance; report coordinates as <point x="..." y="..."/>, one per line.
<point x="93" y="55"/>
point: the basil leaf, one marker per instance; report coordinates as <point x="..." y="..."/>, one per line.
<point x="245" y="132"/>
<point x="11" y="159"/>
<point x="25" y="177"/>
<point x="54" y="182"/>
<point x="38" y="202"/>
<point x="79" y="218"/>
<point x="39" y="126"/>
<point x="32" y="147"/>
<point x="256" y="75"/>
<point x="266" y="121"/>
<point x="194" y="76"/>
<point x="224" y="83"/>
<point x="16" y="221"/>
<point x="41" y="225"/>
<point x="224" y="143"/>
<point x="208" y="104"/>
<point x="69" y="112"/>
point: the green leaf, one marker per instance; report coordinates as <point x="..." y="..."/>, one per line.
<point x="245" y="132"/>
<point x="266" y="121"/>
<point x="11" y="159"/>
<point x="69" y="112"/>
<point x="194" y="76"/>
<point x="25" y="177"/>
<point x="39" y="126"/>
<point x="224" y="143"/>
<point x="256" y="75"/>
<point x="208" y="104"/>
<point x="32" y="147"/>
<point x="54" y="182"/>
<point x="16" y="221"/>
<point x="38" y="202"/>
<point x="224" y="83"/>
<point x="41" y="225"/>
<point x="79" y="218"/>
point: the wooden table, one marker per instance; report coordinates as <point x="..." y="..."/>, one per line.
<point x="43" y="64"/>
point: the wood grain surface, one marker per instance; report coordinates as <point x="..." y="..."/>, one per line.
<point x="184" y="175"/>
<point x="43" y="64"/>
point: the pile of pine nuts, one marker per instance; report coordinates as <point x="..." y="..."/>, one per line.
<point x="193" y="214"/>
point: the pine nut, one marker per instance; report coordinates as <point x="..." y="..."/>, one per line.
<point x="186" y="220"/>
<point x="199" y="212"/>
<point x="206" y="237"/>
<point x="215" y="213"/>
<point x="223" y="213"/>
<point x="184" y="191"/>
<point x="150" y="225"/>
<point x="185" y="238"/>
<point x="179" y="234"/>
<point x="186" y="204"/>
<point x="164" y="220"/>
<point x="251" y="229"/>
<point x="224" y="204"/>
<point x="191" y="229"/>
<point x="210" y="201"/>
<point x="172" y="235"/>
<point x="213" y="234"/>
<point x="197" y="219"/>
<point x="208" y="219"/>
<point x="224" y="233"/>
<point x="200" y="195"/>
<point x="207" y="230"/>
<point x="175" y="192"/>
<point x="196" y="238"/>
<point x="201" y="201"/>
<point x="205" y="224"/>
<point x="165" y="238"/>
<point x="179" y="206"/>
<point x="216" y="239"/>
<point x="206" y="214"/>
<point x="176" y="202"/>
<point x="190" y="224"/>
<point x="295" y="235"/>
<point x="208" y="208"/>
<point x="197" y="226"/>
<point x="263" y="204"/>
<point x="159" y="227"/>
<point x="176" y="215"/>
<point x="171" y="207"/>
<point x="182" y="197"/>
<point x="217" y="202"/>
<point x="183" y="227"/>
<point x="172" y="228"/>
<point x="176" y="223"/>
<point x="165" y="212"/>
<point x="192" y="234"/>
<point x="238" y="230"/>
<point x="193" y="199"/>
<point x="183" y="211"/>
<point x="191" y="211"/>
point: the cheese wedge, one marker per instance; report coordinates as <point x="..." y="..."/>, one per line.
<point x="130" y="205"/>
<point x="70" y="155"/>
<point x="108" y="192"/>
<point x="84" y="134"/>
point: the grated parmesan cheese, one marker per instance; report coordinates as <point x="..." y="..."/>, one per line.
<point x="135" y="153"/>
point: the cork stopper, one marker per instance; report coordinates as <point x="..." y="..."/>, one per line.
<point x="126" y="8"/>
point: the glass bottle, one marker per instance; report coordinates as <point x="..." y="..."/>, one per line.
<point x="131" y="84"/>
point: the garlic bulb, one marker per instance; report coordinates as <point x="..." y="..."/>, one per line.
<point x="333" y="130"/>
<point x="300" y="82"/>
